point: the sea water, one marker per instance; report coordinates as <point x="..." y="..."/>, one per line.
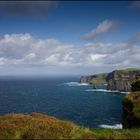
<point x="62" y="97"/>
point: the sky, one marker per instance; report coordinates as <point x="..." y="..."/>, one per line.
<point x="68" y="37"/>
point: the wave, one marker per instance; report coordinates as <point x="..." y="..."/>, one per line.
<point x="105" y="84"/>
<point x="124" y="92"/>
<point x="76" y="84"/>
<point x="102" y="90"/>
<point x="116" y="126"/>
<point x="105" y="90"/>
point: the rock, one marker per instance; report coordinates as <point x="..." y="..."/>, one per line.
<point x="86" y="79"/>
<point x="116" y="80"/>
<point x="136" y="85"/>
<point x="94" y="79"/>
<point x="131" y="111"/>
<point x="122" y="79"/>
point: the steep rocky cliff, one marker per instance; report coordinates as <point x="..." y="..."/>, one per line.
<point x="131" y="110"/>
<point x="116" y="80"/>
<point x="94" y="79"/>
<point x="131" y="107"/>
<point x="122" y="79"/>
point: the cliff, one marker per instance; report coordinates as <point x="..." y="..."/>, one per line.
<point x="94" y="79"/>
<point x="122" y="79"/>
<point x="41" y="126"/>
<point x="116" y="80"/>
<point x="131" y="110"/>
<point x="131" y="107"/>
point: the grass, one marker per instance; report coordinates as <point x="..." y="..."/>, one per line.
<point x="127" y="71"/>
<point x="99" y="79"/>
<point x="40" y="126"/>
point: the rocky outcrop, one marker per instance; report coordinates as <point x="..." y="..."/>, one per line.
<point x="122" y="79"/>
<point x="136" y="85"/>
<point x="131" y="111"/>
<point x="86" y="79"/>
<point x="94" y="79"/>
<point x="131" y="107"/>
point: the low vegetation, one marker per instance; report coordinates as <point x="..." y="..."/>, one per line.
<point x="127" y="71"/>
<point x="99" y="79"/>
<point x="40" y="126"/>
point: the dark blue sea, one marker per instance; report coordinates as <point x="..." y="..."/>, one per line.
<point x="62" y="97"/>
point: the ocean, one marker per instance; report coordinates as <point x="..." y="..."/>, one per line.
<point x="62" y="97"/>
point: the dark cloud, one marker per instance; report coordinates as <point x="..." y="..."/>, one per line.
<point x="135" y="38"/>
<point x="27" y="8"/>
<point x="136" y="4"/>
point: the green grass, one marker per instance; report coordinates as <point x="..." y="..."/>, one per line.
<point x="40" y="126"/>
<point x="100" y="79"/>
<point x="127" y="71"/>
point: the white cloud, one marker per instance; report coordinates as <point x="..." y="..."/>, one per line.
<point x="100" y="30"/>
<point x="95" y="57"/>
<point x="24" y="49"/>
<point x="2" y="60"/>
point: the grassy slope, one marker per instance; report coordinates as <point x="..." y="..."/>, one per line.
<point x="39" y="126"/>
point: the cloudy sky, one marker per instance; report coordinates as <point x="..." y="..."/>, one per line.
<point x="60" y="38"/>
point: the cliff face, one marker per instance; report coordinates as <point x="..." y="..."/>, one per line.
<point x="131" y="107"/>
<point x="131" y="110"/>
<point x="86" y="79"/>
<point x="117" y="80"/>
<point x="122" y="79"/>
<point x="94" y="79"/>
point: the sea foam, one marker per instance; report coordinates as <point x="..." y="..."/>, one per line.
<point x="116" y="126"/>
<point x="76" y="84"/>
<point x="102" y="90"/>
<point x="105" y="90"/>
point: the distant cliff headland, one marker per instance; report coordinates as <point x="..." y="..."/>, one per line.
<point x="116" y="80"/>
<point x="122" y="80"/>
